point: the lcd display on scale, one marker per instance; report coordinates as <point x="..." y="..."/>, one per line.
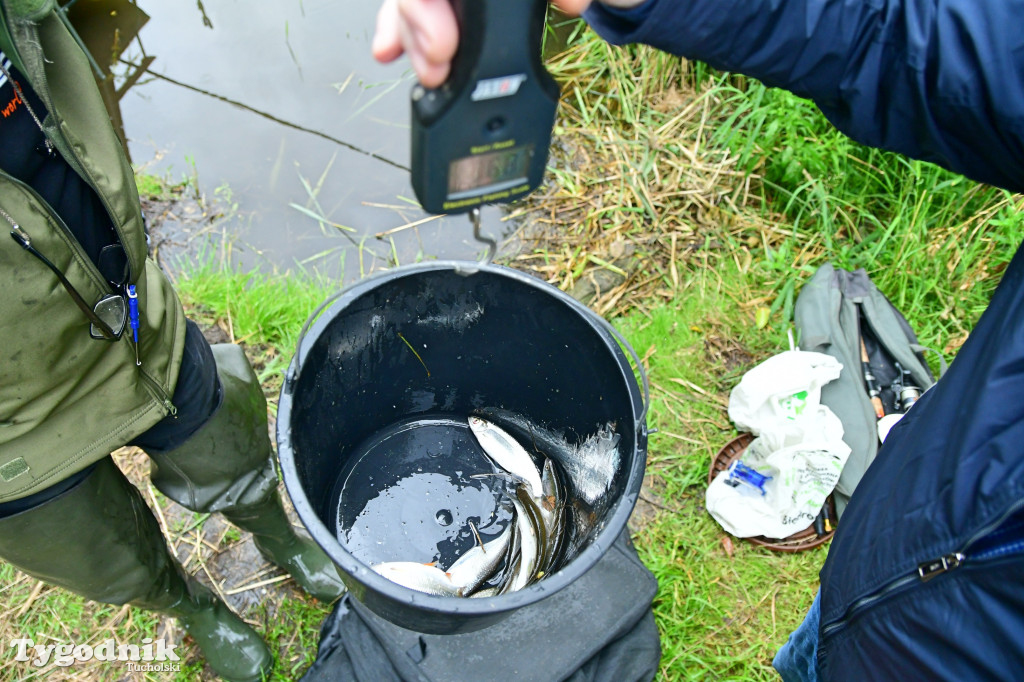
<point x="489" y="172"/>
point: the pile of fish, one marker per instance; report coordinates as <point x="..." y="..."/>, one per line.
<point x="525" y="551"/>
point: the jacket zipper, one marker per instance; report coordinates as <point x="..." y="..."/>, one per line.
<point x="152" y="386"/>
<point x="158" y="394"/>
<point x="933" y="568"/>
<point x="94" y="274"/>
<point x="76" y="165"/>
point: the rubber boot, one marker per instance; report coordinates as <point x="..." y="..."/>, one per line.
<point x="227" y="466"/>
<point x="100" y="540"/>
<point x="276" y="539"/>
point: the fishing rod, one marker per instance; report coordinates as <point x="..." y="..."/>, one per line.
<point x="869" y="378"/>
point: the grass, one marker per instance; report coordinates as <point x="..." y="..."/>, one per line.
<point x="723" y="606"/>
<point x="265" y="312"/>
<point x="689" y="207"/>
<point x="49" y="615"/>
<point x="691" y="166"/>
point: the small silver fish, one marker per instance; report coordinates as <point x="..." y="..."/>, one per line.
<point x="551" y="501"/>
<point x="421" y="577"/>
<point x="514" y="560"/>
<point x="529" y="548"/>
<point x="507" y="453"/>
<point x="551" y="508"/>
<point x="476" y="566"/>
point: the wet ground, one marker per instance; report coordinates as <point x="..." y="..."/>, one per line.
<point x="278" y="111"/>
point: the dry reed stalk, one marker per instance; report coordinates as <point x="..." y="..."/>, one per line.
<point x="632" y="161"/>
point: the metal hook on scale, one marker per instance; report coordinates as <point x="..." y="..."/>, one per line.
<point x="492" y="245"/>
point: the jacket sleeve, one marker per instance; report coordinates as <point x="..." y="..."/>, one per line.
<point x="938" y="80"/>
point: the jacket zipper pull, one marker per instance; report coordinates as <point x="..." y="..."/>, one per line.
<point x="171" y="409"/>
<point x="929" y="569"/>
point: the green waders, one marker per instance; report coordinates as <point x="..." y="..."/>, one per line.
<point x="227" y="466"/>
<point x="100" y="540"/>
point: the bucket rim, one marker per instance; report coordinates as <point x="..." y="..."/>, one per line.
<point x="450" y="607"/>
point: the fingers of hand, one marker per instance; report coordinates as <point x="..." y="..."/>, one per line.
<point x="425" y="30"/>
<point x="572" y="7"/>
<point x="387" y="40"/>
<point x="430" y="73"/>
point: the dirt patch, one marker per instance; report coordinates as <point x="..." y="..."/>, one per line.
<point x="727" y="352"/>
<point x="648" y="505"/>
<point x="174" y="221"/>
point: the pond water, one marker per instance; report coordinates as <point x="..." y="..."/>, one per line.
<point x="280" y="108"/>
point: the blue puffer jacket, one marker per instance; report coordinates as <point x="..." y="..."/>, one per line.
<point x="925" y="576"/>
<point x="939" y="80"/>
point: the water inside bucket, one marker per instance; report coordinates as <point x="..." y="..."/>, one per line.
<point x="412" y="490"/>
<point x="408" y="494"/>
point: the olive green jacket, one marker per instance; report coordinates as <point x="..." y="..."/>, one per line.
<point x="67" y="400"/>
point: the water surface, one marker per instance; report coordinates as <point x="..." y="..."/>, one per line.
<point x="276" y="105"/>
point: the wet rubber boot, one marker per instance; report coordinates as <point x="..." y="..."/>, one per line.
<point x="277" y="541"/>
<point x="230" y="646"/>
<point x="100" y="540"/>
<point x="227" y="466"/>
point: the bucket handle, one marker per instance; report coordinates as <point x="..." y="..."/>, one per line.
<point x="644" y="382"/>
<point x="293" y="370"/>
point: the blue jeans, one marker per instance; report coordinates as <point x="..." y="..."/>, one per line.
<point x="797" y="660"/>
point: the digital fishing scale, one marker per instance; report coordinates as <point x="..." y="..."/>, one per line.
<point x="483" y="136"/>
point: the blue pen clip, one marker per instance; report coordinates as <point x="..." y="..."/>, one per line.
<point x="133" y="319"/>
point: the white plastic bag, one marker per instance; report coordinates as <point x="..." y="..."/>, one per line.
<point x="773" y="395"/>
<point x="799" y="444"/>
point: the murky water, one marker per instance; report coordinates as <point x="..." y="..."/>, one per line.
<point x="417" y="490"/>
<point x="282" y="105"/>
<point x="409" y="494"/>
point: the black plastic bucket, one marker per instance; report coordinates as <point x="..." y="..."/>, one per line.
<point x="373" y="439"/>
